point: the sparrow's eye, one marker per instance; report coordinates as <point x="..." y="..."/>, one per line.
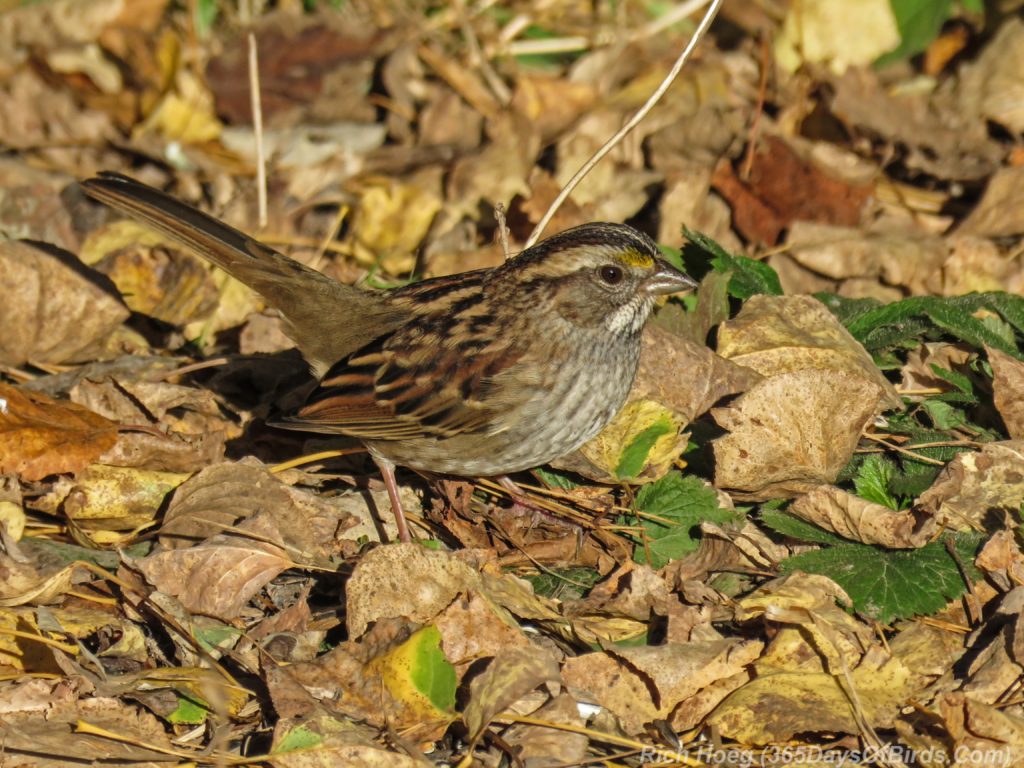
<point x="611" y="274"/>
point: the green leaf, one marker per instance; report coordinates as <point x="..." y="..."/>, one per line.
<point x="432" y="673"/>
<point x="944" y="415"/>
<point x="919" y="22"/>
<point x="298" y="738"/>
<point x="893" y="584"/>
<point x="873" y="480"/>
<point x="634" y="455"/>
<point x="749" y="277"/>
<point x="555" y="478"/>
<point x="206" y="13"/>
<point x="797" y="528"/>
<point x="190" y="710"/>
<point x="680" y="504"/>
<point x="951" y="315"/>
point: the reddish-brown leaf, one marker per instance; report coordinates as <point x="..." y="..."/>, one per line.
<point x="40" y="436"/>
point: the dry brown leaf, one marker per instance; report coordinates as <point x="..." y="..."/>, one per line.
<point x="26" y="583"/>
<point x="1008" y="390"/>
<point x="709" y="377"/>
<point x="792" y="432"/>
<point x="192" y="430"/>
<point x="642" y="684"/>
<point x="977" y="488"/>
<point x="1000" y="212"/>
<point x="537" y="745"/>
<point x="510" y="676"/>
<point x="472" y="628"/>
<point x="40" y="436"/>
<point x="56" y="310"/>
<point x="992" y="87"/>
<point x="339" y="742"/>
<point x="855" y="518"/>
<point x="217" y="577"/>
<point x="59" y="738"/>
<point x="1002" y="560"/>
<point x="782" y="334"/>
<point x="404" y="580"/>
<point x="242" y="497"/>
<point x="781" y="188"/>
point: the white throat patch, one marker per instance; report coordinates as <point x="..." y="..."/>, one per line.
<point x="629" y="318"/>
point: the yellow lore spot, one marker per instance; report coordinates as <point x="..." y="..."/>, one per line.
<point x="634" y="258"/>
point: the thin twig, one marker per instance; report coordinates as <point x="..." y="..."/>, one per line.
<point x="904" y="451"/>
<point x="632" y="123"/>
<point x="257" y="127"/>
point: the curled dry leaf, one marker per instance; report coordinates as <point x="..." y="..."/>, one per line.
<point x="1002" y="560"/>
<point x="855" y="518"/>
<point x="780" y="334"/>
<point x="1008" y="390"/>
<point x="639" y="685"/>
<point x="192" y="429"/>
<point x="55" y="309"/>
<point x="977" y="489"/>
<point x="24" y="583"/>
<point x="40" y="436"/>
<point x="156" y="276"/>
<point x="512" y="674"/>
<point x="686" y="376"/>
<point x="792" y="432"/>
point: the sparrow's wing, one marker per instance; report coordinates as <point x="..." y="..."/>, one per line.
<point x="327" y="320"/>
<point x="442" y="374"/>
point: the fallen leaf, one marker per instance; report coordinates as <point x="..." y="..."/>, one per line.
<point x="40" y="436"/>
<point x="782" y="334"/>
<point x="792" y="432"/>
<point x="404" y="580"/>
<point x="860" y="520"/>
<point x="1008" y="390"/>
<point x="839" y="33"/>
<point x="510" y="676"/>
<point x="56" y="310"/>
<point x="977" y="485"/>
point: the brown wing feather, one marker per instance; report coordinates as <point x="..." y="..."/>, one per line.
<point x="381" y="394"/>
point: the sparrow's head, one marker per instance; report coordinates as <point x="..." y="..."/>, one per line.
<point x="599" y="275"/>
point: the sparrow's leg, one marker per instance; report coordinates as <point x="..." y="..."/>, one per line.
<point x="387" y="471"/>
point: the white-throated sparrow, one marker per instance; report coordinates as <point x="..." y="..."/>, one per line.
<point x="482" y="373"/>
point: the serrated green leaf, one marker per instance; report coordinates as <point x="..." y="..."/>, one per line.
<point x="957" y="379"/>
<point x="944" y="415"/>
<point x="951" y="315"/>
<point x="680" y="504"/>
<point x="873" y="479"/>
<point x="796" y="528"/>
<point x="889" y="584"/>
<point x="750" y="276"/>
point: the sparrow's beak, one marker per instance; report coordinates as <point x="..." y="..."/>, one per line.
<point x="667" y="279"/>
